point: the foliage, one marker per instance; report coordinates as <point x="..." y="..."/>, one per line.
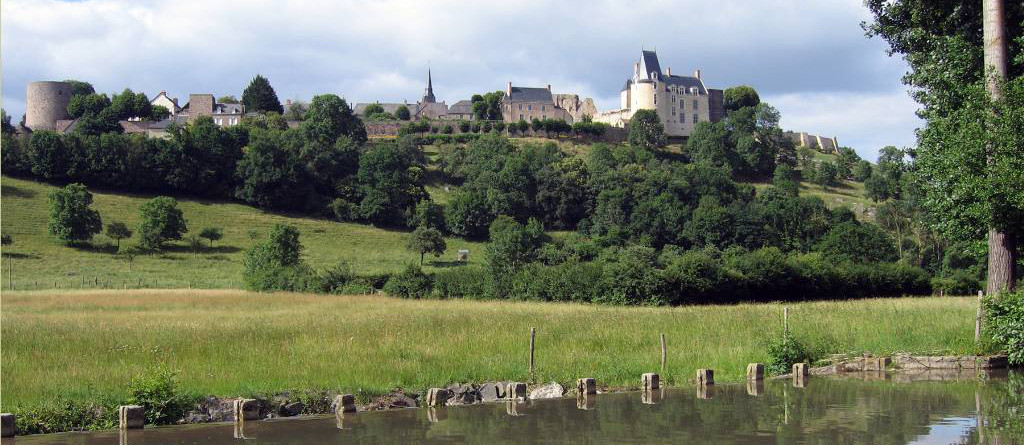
<point x="512" y="245"/>
<point x="739" y="97"/>
<point x="71" y="219"/>
<point x="859" y="243"/>
<point x="826" y="175"/>
<point x="468" y="213"/>
<point x="428" y="214"/>
<point x="1004" y="323"/>
<point x="260" y="97"/>
<point x="488" y="105"/>
<point x="157" y="392"/>
<point x="160" y="221"/>
<point x="784" y="352"/>
<point x="862" y="170"/>
<point x="646" y="131"/>
<point x="411" y="282"/>
<point x="276" y="263"/>
<point x="212" y="234"/>
<point x="118" y="231"/>
<point x="402" y="113"/>
<point x="329" y="117"/>
<point x="426" y="240"/>
<point x="389" y="180"/>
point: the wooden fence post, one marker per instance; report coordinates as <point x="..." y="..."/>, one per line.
<point x="533" y="337"/>
<point x="977" y="318"/>
<point x="664" y="352"/>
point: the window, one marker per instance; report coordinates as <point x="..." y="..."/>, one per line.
<point x="682" y="104"/>
<point x="695" y="104"/>
<point x="217" y="121"/>
<point x="520" y="108"/>
<point x="695" y="118"/>
<point x="682" y="118"/>
<point x="529" y="107"/>
<point x="655" y="98"/>
<point x="520" y="114"/>
<point x="542" y="108"/>
<point x="673" y="111"/>
<point x="543" y="116"/>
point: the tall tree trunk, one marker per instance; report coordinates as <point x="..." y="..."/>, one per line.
<point x="1002" y="252"/>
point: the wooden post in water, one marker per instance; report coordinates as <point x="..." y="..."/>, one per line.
<point x="785" y="320"/>
<point x="664" y="352"/>
<point x="977" y="318"/>
<point x="533" y="337"/>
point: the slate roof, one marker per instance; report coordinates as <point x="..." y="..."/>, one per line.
<point x="649" y="64"/>
<point x="525" y="94"/>
<point x="461" y="107"/>
<point x="227" y="109"/>
<point x="685" y="82"/>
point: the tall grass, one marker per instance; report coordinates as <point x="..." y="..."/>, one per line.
<point x="87" y="345"/>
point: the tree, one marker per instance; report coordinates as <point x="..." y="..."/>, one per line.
<point x="296" y="111"/>
<point x="859" y="243"/>
<point x="260" y="97"/>
<point x="512" y="245"/>
<point x="160" y="221"/>
<point x="271" y="174"/>
<point x="895" y="216"/>
<point x="428" y="214"/>
<point x="118" y="231"/>
<point x="862" y="171"/>
<point x="426" y="240"/>
<point x="784" y="179"/>
<point x="212" y="234"/>
<point x="488" y="105"/>
<point x="402" y="113"/>
<point x="129" y="254"/>
<point x="960" y="55"/>
<point x="826" y="174"/>
<point x="389" y="181"/>
<point x="646" y="130"/>
<point x="229" y="99"/>
<point x="878" y="187"/>
<point x="468" y="213"/>
<point x="71" y="219"/>
<point x="372" y="110"/>
<point x="739" y="97"/>
<point x="329" y="117"/>
<point x="195" y="245"/>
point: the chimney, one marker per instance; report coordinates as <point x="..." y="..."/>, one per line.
<point x="696" y="73"/>
<point x="508" y="92"/>
<point x="549" y="87"/>
<point x="668" y="71"/>
<point x="636" y="69"/>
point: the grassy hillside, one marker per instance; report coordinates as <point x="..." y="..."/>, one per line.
<point x="40" y="259"/>
<point x="87" y="345"/>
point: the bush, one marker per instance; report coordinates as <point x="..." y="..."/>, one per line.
<point x="65" y="415"/>
<point x="1004" y="323"/>
<point x="411" y="282"/>
<point x="462" y="282"/>
<point x="160" y="221"/>
<point x="784" y="352"/>
<point x="157" y="392"/>
<point x="957" y="282"/>
<point x="337" y="279"/>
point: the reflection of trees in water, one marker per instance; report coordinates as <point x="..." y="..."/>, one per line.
<point x="826" y="411"/>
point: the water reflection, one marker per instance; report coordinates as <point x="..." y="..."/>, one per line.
<point x="860" y="410"/>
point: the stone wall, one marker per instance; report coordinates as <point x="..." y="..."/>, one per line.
<point x="46" y="103"/>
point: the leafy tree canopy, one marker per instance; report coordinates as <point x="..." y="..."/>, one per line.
<point x="71" y="218"/>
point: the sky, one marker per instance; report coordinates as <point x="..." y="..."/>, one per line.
<point x="809" y="59"/>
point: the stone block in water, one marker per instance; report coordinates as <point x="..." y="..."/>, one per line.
<point x="650" y="381"/>
<point x="7" y="425"/>
<point x="131" y="416"/>
<point x="437" y="396"/>
<point x="586" y="386"/>
<point x="516" y="390"/>
<point x="247" y="409"/>
<point x="705" y="377"/>
<point x="755" y="371"/>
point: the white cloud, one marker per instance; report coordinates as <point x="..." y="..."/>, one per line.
<point x="864" y="122"/>
<point x="380" y="49"/>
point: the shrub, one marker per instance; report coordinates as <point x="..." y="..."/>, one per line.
<point x="71" y="218"/>
<point x="1004" y="323"/>
<point x="462" y="282"/>
<point x="157" y="392"/>
<point x="411" y="282"/>
<point x="337" y="279"/>
<point x="65" y="415"/>
<point x="448" y="129"/>
<point x="276" y="264"/>
<point x="694" y="277"/>
<point x="784" y="352"/>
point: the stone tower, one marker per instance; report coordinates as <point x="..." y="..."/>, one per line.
<point x="46" y="103"/>
<point x="428" y="95"/>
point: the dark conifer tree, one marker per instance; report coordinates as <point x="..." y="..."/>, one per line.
<point x="259" y="96"/>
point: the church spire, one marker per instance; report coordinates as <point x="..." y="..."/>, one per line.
<point x="428" y="96"/>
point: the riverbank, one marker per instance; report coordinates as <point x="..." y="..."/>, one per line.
<point x="88" y="345"/>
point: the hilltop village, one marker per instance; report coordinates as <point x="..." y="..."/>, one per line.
<point x="680" y="101"/>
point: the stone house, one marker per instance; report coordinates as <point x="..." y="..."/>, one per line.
<point x="528" y="103"/>
<point x="224" y="115"/>
<point x="680" y="101"/>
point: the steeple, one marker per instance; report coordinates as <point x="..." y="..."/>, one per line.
<point x="428" y="96"/>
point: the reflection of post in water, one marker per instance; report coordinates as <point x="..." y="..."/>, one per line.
<point x="706" y="391"/>
<point x="652" y="396"/>
<point x="435" y="415"/>
<point x="512" y="408"/>
<point x="584" y="401"/>
<point x="755" y="387"/>
<point x="240" y="429"/>
<point x="979" y="421"/>
<point x="799" y="381"/>
<point x="129" y="436"/>
<point x="785" y="405"/>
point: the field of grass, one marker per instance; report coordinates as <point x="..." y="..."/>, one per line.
<point x="87" y="345"/>
<point x="40" y="260"/>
